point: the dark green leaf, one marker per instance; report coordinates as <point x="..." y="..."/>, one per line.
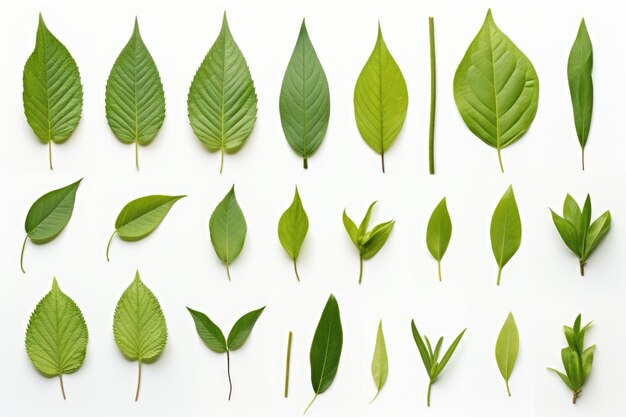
<point x="228" y="229"/>
<point x="242" y="329"/>
<point x="208" y="331"/>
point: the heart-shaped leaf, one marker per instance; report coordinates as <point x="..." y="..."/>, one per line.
<point x="507" y="347"/>
<point x="380" y="362"/>
<point x="438" y="233"/>
<point x="506" y="230"/>
<point x="228" y="229"/>
<point x="292" y="229"/>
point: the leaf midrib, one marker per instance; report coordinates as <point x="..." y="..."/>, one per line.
<point x="495" y="92"/>
<point x="319" y="387"/>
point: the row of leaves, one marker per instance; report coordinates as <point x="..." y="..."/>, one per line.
<point x="496" y="90"/>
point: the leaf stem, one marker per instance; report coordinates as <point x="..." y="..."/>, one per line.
<point x="433" y="97"/>
<point x="575" y="396"/>
<point x="310" y="404"/>
<point x="228" y="271"/>
<point x="137" y="155"/>
<point x="138" y="381"/>
<point x="499" y="274"/>
<point x="375" y="396"/>
<point x="507" y="387"/>
<point x="287" y="364"/>
<point x="500" y="160"/>
<point x="430" y="383"/>
<point x="306" y="163"/>
<point x="382" y="160"/>
<point x="583" y="157"/>
<point x="62" y="386"/>
<point x="295" y="268"/>
<point x="50" y="154"/>
<point x="222" y="161"/>
<point x="22" y="254"/>
<point x="109" y="244"/>
<point x="230" y="382"/>
<point x="581" y="263"/>
<point x="439" y="269"/>
<point x="360" y="268"/>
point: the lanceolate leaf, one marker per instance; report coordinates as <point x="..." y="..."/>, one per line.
<point x="228" y="229"/>
<point x="304" y="99"/>
<point x="222" y="100"/>
<point x="140" y="217"/>
<point x="292" y="229"/>
<point x="496" y="88"/>
<point x="380" y="363"/>
<point x="139" y="326"/>
<point x="326" y="349"/>
<point x="53" y="94"/>
<point x="49" y="215"/>
<point x="56" y="337"/>
<point x="438" y="233"/>
<point x="381" y="99"/>
<point x="135" y="103"/>
<point x="506" y="230"/>
<point x="507" y="348"/>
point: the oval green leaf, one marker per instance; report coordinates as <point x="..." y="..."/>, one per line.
<point x="438" y="233"/>
<point x="208" y="331"/>
<point x="292" y="229"/>
<point x="506" y="230"/>
<point x="228" y="229"/>
<point x="242" y="329"/>
<point x="380" y="362"/>
<point x="507" y="348"/>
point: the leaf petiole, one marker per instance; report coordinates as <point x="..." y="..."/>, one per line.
<point x="109" y="244"/>
<point x="22" y="254"/>
<point x="430" y="383"/>
<point x="360" y="268"/>
<point x="310" y="404"/>
<point x="230" y="382"/>
<point x="63" y="387"/>
<point x="295" y="268"/>
<point x="138" y="381"/>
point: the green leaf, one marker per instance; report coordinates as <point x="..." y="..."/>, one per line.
<point x="140" y="217"/>
<point x="381" y="99"/>
<point x="598" y="229"/>
<point x="587" y="359"/>
<point x="507" y="348"/>
<point x="573" y="367"/>
<point x="438" y="233"/>
<point x="56" y="336"/>
<point x="564" y="378"/>
<point x="568" y="233"/>
<point x="292" y="229"/>
<point x="227" y="228"/>
<point x="49" y="215"/>
<point x="353" y="231"/>
<point x="579" y="68"/>
<point x="326" y="349"/>
<point x="571" y="210"/>
<point x="374" y="240"/>
<point x="139" y="326"/>
<point x="446" y="357"/>
<point x="134" y="101"/>
<point x="208" y="331"/>
<point x="304" y="99"/>
<point x="427" y="358"/>
<point x="222" y="102"/>
<point x="496" y="88"/>
<point x="380" y="362"/>
<point x="366" y="220"/>
<point x="242" y="329"/>
<point x="506" y="230"/>
<point x="53" y="94"/>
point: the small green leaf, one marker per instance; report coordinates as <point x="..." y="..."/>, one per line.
<point x="374" y="240"/>
<point x="134" y="100"/>
<point x="380" y="362"/>
<point x="439" y="232"/>
<point x="381" y="99"/>
<point x="506" y="230"/>
<point x="208" y="331"/>
<point x="568" y="233"/>
<point x="292" y="229"/>
<point x="49" y="215"/>
<point x="242" y="329"/>
<point x="507" y="348"/>
<point x="597" y="230"/>
<point x="53" y="94"/>
<point x="228" y="229"/>
<point x="141" y="217"/>
<point x="56" y="336"/>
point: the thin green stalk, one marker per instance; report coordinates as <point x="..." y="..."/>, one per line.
<point x="50" y="153"/>
<point x="499" y="274"/>
<point x="439" y="269"/>
<point x="287" y="364"/>
<point x="230" y="382"/>
<point x="382" y="160"/>
<point x="137" y="155"/>
<point x="360" y="268"/>
<point x="222" y="161"/>
<point x="22" y="254"/>
<point x="138" y="381"/>
<point x="582" y="267"/>
<point x="228" y="271"/>
<point x="500" y="160"/>
<point x="583" y="157"/>
<point x="507" y="387"/>
<point x="310" y="404"/>
<point x="430" y="383"/>
<point x="62" y="386"/>
<point x="295" y="268"/>
<point x="433" y="96"/>
<point x="109" y="244"/>
<point x="306" y="163"/>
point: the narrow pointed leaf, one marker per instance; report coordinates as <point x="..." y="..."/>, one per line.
<point x="353" y="231"/>
<point x="228" y="229"/>
<point x="597" y="231"/>
<point x="506" y="230"/>
<point x="448" y="355"/>
<point x="438" y="232"/>
<point x="242" y="329"/>
<point x="208" y="331"/>
<point x="293" y="227"/>
<point x="507" y="347"/>
<point x="568" y="233"/>
<point x="380" y="362"/>
<point x="421" y="347"/>
<point x="366" y="219"/>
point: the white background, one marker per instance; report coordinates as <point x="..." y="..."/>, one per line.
<point x="540" y="285"/>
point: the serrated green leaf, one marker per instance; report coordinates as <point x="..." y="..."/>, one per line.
<point x="49" y="215"/>
<point x="438" y="233"/>
<point x="53" y="94"/>
<point x="57" y="336"/>
<point x="381" y="99"/>
<point x="228" y="229"/>
<point x="507" y="347"/>
<point x="380" y="362"/>
<point x="242" y="329"/>
<point x="496" y="88"/>
<point x="292" y="229"/>
<point x="304" y="99"/>
<point x="222" y="102"/>
<point x="506" y="230"/>
<point x="208" y="331"/>
<point x="134" y="101"/>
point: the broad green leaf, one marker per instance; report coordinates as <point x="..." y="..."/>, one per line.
<point x="326" y="349"/>
<point x="53" y="94"/>
<point x="208" y="331"/>
<point x="139" y="326"/>
<point x="134" y="101"/>
<point x="304" y="99"/>
<point x="506" y="230"/>
<point x="507" y="348"/>
<point x="292" y="229"/>
<point x="140" y="217"/>
<point x="242" y="329"/>
<point x="438" y="233"/>
<point x="222" y="102"/>
<point x="380" y="362"/>
<point x="227" y="228"/>
<point x="374" y="240"/>
<point x="496" y="88"/>
<point x="56" y="336"/>
<point x="579" y="68"/>
<point x="381" y="99"/>
<point x="48" y="216"/>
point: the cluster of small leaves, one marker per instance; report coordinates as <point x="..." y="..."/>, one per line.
<point x="227" y="227"/>
<point x="506" y="230"/>
<point x="292" y="229"/>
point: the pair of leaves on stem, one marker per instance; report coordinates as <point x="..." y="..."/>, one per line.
<point x="506" y="230"/>
<point x="496" y="88"/>
<point x="578" y="232"/>
<point x="292" y="229"/>
<point x="507" y="348"/>
<point x="577" y="360"/>
<point x="227" y="227"/>
<point x="438" y="233"/>
<point x="214" y="339"/>
<point x="367" y="242"/>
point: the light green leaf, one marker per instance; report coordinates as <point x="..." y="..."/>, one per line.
<point x="49" y="215"/>
<point x="438" y="233"/>
<point x="292" y="229"/>
<point x="141" y="217"/>
<point x="374" y="240"/>
<point x="507" y="348"/>
<point x="381" y="99"/>
<point x="208" y="331"/>
<point x="304" y="99"/>
<point x="242" y="329"/>
<point x="134" y="101"/>
<point x="568" y="233"/>
<point x="496" y="88"/>
<point x="56" y="336"/>
<point x="228" y="229"/>
<point x="53" y="94"/>
<point x="222" y="102"/>
<point x="380" y="362"/>
<point x="506" y="230"/>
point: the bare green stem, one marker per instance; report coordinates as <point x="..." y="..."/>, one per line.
<point x="430" y="384"/>
<point x="228" y="271"/>
<point x="62" y="386"/>
<point x="439" y="269"/>
<point x="287" y="365"/>
<point x="360" y="268"/>
<point x="433" y="96"/>
<point x="500" y="160"/>
<point x="50" y="153"/>
<point x="222" y="161"/>
<point x="310" y="404"/>
<point x="22" y="254"/>
<point x="230" y="382"/>
<point x="508" y="390"/>
<point x="295" y="268"/>
<point x="137" y="155"/>
<point x="499" y="275"/>
<point x="581" y="263"/>
<point x="138" y="381"/>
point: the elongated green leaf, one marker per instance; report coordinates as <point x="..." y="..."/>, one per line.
<point x="568" y="233"/>
<point x="56" y="337"/>
<point x="381" y="99"/>
<point x="427" y="359"/>
<point x="596" y="232"/>
<point x="242" y="329"/>
<point x="326" y="349"/>
<point x="304" y="99"/>
<point x="228" y="229"/>
<point x="579" y="68"/>
<point x="380" y="362"/>
<point x="506" y="230"/>
<point x="292" y="229"/>
<point x="222" y="100"/>
<point x="496" y="88"/>
<point x="446" y="357"/>
<point x="208" y="331"/>
<point x="134" y="101"/>
<point x="141" y="217"/>
<point x="53" y="94"/>
<point x="49" y="215"/>
<point x="438" y="233"/>
<point x="507" y="348"/>
<point x="374" y="240"/>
